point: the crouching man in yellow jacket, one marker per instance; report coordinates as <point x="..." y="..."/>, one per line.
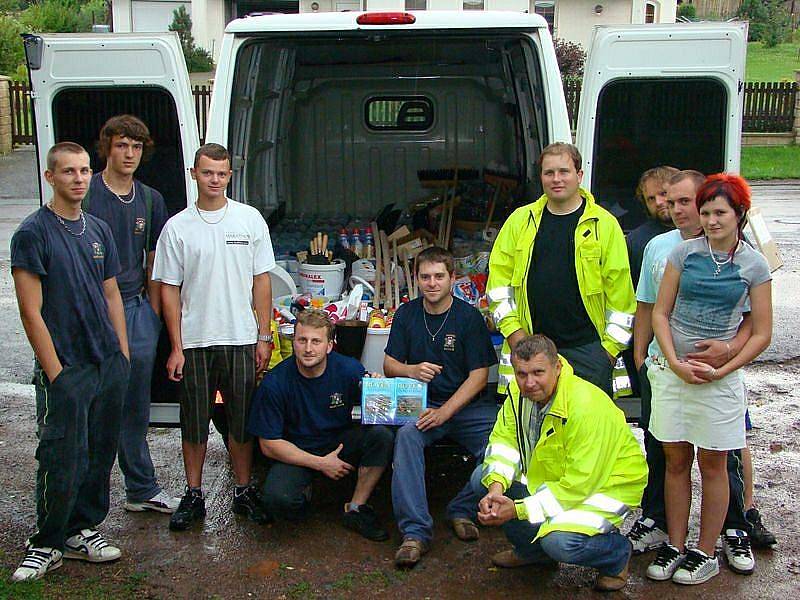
<point x="562" y="469"/>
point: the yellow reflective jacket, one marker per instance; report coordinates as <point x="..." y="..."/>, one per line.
<point x="601" y="265"/>
<point x="586" y="470"/>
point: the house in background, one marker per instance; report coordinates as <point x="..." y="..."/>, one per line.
<point x="569" y="19"/>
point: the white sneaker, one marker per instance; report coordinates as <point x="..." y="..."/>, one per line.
<point x="697" y="567"/>
<point x="161" y="502"/>
<point x="36" y="563"/>
<point x="736" y="545"/>
<point x="90" y="545"/>
<point x="644" y="536"/>
<point x="667" y="561"/>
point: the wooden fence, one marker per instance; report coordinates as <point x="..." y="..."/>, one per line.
<point x="768" y="107"/>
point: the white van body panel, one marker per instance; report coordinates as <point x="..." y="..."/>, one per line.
<point x="110" y="60"/>
<point x="669" y="51"/>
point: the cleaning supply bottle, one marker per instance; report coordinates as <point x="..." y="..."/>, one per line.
<point x="357" y="246"/>
<point x="345" y="243"/>
<point x="369" y="244"/>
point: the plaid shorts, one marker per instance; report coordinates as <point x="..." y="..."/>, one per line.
<point x="231" y="370"/>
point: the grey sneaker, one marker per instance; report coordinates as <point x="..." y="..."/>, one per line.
<point x="37" y="562"/>
<point x="161" y="502"/>
<point x="697" y="567"/>
<point x="644" y="536"/>
<point x="667" y="561"/>
<point x="736" y="545"/>
<point x="91" y="546"/>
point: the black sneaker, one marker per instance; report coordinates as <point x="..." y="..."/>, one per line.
<point x="248" y="504"/>
<point x="760" y="536"/>
<point x="192" y="508"/>
<point x="364" y="522"/>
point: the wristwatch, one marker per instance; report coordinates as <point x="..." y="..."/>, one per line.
<point x="265" y="338"/>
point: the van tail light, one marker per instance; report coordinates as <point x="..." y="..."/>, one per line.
<point x="386" y="18"/>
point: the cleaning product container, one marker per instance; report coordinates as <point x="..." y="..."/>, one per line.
<point x="286" y="335"/>
<point x="322" y="280"/>
<point x="375" y="344"/>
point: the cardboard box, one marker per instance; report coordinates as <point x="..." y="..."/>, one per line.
<point x="762" y="237"/>
<point x="392" y="400"/>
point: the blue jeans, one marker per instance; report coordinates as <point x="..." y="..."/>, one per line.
<point x="606" y="552"/>
<point x="470" y="428"/>
<point x="134" y="454"/>
<point x="78" y="417"/>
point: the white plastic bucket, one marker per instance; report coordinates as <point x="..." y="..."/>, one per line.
<point x="372" y="356"/>
<point x="322" y="280"/>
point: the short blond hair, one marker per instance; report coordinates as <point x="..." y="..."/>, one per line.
<point x="317" y="319"/>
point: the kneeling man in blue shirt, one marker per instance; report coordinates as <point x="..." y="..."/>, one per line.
<point x="301" y="414"/>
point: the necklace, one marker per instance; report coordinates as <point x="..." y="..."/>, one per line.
<point x="64" y="223"/>
<point x="120" y="198"/>
<point x="199" y="214"/>
<point x="718" y="264"/>
<point x="425" y="320"/>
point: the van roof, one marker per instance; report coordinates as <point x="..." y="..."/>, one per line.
<point x="346" y="21"/>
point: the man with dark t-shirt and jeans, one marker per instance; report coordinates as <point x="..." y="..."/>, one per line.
<point x="136" y="214"/>
<point x="301" y="414"/>
<point x="444" y="342"/>
<point x="559" y="267"/>
<point x="64" y="264"/>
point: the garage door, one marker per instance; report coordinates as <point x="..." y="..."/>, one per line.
<point x="155" y="15"/>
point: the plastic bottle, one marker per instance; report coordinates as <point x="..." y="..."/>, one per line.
<point x="369" y="244"/>
<point x="357" y="246"/>
<point x="345" y="243"/>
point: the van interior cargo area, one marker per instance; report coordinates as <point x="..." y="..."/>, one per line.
<point x="326" y="134"/>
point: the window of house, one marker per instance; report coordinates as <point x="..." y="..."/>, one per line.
<point x="399" y="113"/>
<point x="547" y="9"/>
<point x="416" y="4"/>
<point x="649" y="12"/>
<point x="473" y="4"/>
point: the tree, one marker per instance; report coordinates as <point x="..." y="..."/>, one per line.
<point x="570" y="57"/>
<point x="11" y="51"/>
<point x="769" y="21"/>
<point x="197" y="59"/>
<point x="64" y="16"/>
<point x="687" y="11"/>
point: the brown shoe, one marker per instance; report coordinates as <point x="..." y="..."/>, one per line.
<point x="409" y="552"/>
<point x="612" y="583"/>
<point x="464" y="529"/>
<point x="508" y="559"/>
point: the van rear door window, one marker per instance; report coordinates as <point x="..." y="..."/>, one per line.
<point x="399" y="113"/>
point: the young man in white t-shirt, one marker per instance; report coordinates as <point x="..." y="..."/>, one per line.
<point x="212" y="260"/>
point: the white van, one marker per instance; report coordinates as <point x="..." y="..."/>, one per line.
<point x="337" y="113"/>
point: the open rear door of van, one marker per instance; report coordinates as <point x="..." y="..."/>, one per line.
<point x="78" y="81"/>
<point x="659" y="95"/>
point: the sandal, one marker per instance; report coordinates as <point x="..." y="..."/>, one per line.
<point x="410" y="552"/>
<point x="464" y="529"/>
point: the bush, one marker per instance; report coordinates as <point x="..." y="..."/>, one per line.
<point x="687" y="11"/>
<point x="769" y="21"/>
<point x="64" y="16"/>
<point x="570" y="56"/>
<point x="11" y="52"/>
<point x="197" y="59"/>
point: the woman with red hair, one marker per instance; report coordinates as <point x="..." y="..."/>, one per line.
<point x="708" y="284"/>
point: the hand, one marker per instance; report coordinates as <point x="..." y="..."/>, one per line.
<point x="432" y="417"/>
<point x="638" y="361"/>
<point x="263" y="355"/>
<point x="126" y="352"/>
<point x="486" y="503"/>
<point x="374" y="375"/>
<point x="714" y="353"/>
<point x="332" y="466"/>
<point x="496" y="509"/>
<point x="425" y="371"/>
<point x="53" y="374"/>
<point x="704" y="371"/>
<point x="687" y="372"/>
<point x="175" y="365"/>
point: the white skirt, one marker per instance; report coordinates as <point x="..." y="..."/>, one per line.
<point x="708" y="415"/>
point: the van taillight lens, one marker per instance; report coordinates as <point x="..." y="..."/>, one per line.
<point x="386" y="18"/>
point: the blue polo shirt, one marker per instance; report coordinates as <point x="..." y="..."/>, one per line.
<point x="311" y="413"/>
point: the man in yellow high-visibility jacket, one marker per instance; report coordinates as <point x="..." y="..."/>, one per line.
<point x="559" y="267"/>
<point x="562" y="469"/>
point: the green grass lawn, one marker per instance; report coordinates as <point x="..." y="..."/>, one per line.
<point x="772" y="64"/>
<point x="780" y="162"/>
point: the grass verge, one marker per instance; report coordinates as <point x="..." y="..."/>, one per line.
<point x="777" y="162"/>
<point x="772" y="64"/>
<point x="55" y="585"/>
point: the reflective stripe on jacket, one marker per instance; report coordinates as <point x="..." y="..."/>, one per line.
<point x="585" y="472"/>
<point x="601" y="265"/>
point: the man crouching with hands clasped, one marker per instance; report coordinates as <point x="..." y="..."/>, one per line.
<point x="583" y="468"/>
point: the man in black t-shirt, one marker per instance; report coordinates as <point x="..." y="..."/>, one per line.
<point x="64" y="263"/>
<point x="444" y="342"/>
<point x="136" y="214"/>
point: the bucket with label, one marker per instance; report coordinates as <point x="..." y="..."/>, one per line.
<point x="286" y="335"/>
<point x="322" y="280"/>
<point x="375" y="344"/>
